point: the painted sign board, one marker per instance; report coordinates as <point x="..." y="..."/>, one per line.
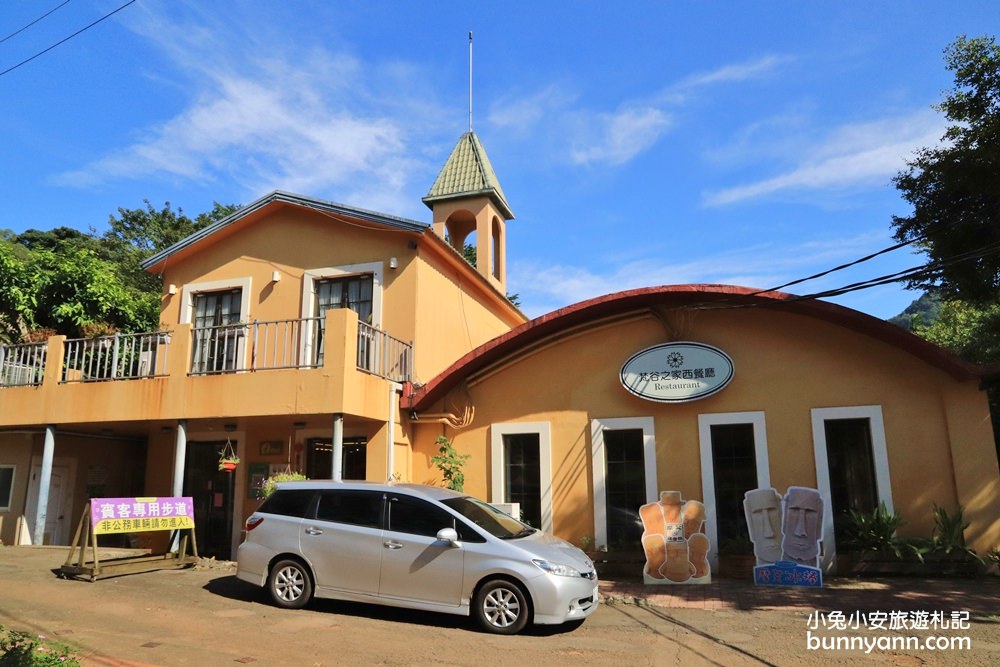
<point x="674" y="541"/>
<point x="677" y="372"/>
<point x="135" y="515"/>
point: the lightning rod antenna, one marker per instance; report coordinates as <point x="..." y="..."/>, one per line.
<point x="470" y="81"/>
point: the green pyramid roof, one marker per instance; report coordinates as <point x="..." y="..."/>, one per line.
<point x="468" y="173"/>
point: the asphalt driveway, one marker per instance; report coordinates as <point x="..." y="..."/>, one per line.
<point x="205" y="616"/>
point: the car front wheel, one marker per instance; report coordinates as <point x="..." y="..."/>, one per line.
<point x="289" y="584"/>
<point x="501" y="607"/>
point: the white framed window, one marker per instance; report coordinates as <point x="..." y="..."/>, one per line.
<point x="354" y="286"/>
<point x="625" y="445"/>
<point x="852" y="436"/>
<point x="521" y="466"/>
<point x="217" y="311"/>
<point x="6" y="486"/>
<point x="727" y="441"/>
<point x="313" y="279"/>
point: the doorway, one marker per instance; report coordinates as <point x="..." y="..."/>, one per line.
<point x="319" y="458"/>
<point x="212" y="493"/>
<point x="60" y="504"/>
<point x="852" y="472"/>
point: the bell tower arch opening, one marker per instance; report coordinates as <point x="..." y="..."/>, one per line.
<point x="469" y="207"/>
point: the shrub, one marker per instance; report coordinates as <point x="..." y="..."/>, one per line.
<point x="268" y="485"/>
<point x="450" y="463"/>
<point x="20" y="649"/>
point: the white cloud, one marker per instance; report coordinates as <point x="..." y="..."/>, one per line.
<point x="524" y="113"/>
<point x="617" y="138"/>
<point x="300" y="120"/>
<point x="543" y="288"/>
<point x="734" y="72"/>
<point x="857" y="155"/>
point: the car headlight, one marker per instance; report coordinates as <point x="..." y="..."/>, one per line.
<point x="555" y="568"/>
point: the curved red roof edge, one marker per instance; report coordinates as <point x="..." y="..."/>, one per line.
<point x="708" y="295"/>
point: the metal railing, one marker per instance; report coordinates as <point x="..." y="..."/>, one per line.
<point x="218" y="349"/>
<point x="117" y="357"/>
<point x="383" y="355"/>
<point x="284" y="343"/>
<point x="22" y="365"/>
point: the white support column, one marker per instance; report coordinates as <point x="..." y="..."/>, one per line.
<point x="48" y="452"/>
<point x="390" y="455"/>
<point x="180" y="451"/>
<point x="337" y="458"/>
<point x="177" y="490"/>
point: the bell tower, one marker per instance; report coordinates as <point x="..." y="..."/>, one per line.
<point x="467" y="198"/>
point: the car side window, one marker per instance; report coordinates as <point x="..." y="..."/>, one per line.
<point x="416" y="516"/>
<point x="293" y="503"/>
<point x="358" y="508"/>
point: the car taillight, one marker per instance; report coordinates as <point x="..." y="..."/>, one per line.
<point x="253" y="522"/>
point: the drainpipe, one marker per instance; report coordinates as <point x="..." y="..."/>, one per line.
<point x="48" y="452"/>
<point x="337" y="461"/>
<point x="180" y="451"/>
<point x="390" y="455"/>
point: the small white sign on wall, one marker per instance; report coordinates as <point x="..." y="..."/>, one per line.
<point x="677" y="372"/>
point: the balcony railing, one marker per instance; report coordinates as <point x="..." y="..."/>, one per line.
<point x="22" y="365"/>
<point x="254" y="346"/>
<point x="117" y="357"/>
<point x="296" y="343"/>
<point x="383" y="355"/>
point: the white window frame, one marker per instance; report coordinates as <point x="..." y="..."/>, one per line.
<point x="311" y="276"/>
<point x="880" y="456"/>
<point x="705" y="424"/>
<point x="498" y="481"/>
<point x="190" y="290"/>
<point x="6" y="502"/>
<point x="599" y="461"/>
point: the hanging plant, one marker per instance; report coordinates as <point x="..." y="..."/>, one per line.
<point x="227" y="457"/>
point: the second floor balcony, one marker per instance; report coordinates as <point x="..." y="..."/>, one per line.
<point x="183" y="368"/>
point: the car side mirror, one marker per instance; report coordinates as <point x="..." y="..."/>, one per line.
<point x="449" y="535"/>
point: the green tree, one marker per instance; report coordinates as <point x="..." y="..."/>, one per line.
<point x="953" y="187"/>
<point x="968" y="330"/>
<point x="64" y="279"/>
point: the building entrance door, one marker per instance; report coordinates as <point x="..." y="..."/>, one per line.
<point x="57" y="520"/>
<point x="212" y="493"/>
<point x="852" y="472"/>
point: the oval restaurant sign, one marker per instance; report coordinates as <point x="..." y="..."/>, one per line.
<point x="677" y="372"/>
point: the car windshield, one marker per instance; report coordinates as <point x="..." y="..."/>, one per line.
<point x="489" y="518"/>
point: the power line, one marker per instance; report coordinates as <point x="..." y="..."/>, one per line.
<point x="18" y="32"/>
<point x="66" y="39"/>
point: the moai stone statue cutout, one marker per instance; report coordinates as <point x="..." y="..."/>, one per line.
<point x="791" y="557"/>
<point x="763" y="514"/>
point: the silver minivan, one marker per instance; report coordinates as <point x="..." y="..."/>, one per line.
<point x="414" y="546"/>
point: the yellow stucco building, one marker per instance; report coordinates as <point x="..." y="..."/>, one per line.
<point x="338" y="341"/>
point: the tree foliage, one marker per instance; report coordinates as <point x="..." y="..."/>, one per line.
<point x="953" y="187"/>
<point x="69" y="281"/>
<point x="968" y="330"/>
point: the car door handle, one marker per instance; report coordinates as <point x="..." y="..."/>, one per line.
<point x="313" y="531"/>
<point x="392" y="544"/>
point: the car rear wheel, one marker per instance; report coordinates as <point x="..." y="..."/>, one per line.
<point x="289" y="584"/>
<point x="501" y="607"/>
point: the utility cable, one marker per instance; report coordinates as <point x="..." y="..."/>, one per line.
<point x="66" y="39"/>
<point x="18" y="32"/>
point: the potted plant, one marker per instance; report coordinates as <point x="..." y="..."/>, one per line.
<point x="227" y="458"/>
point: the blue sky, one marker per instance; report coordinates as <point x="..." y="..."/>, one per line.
<point x="638" y="143"/>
